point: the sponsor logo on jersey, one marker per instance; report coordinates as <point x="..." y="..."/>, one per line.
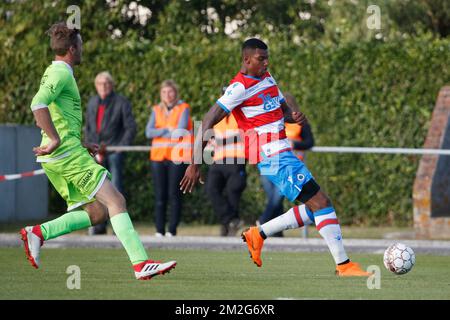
<point x="85" y="179"/>
<point x="269" y="102"/>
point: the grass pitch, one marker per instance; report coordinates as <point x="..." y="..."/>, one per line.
<point x="218" y="275"/>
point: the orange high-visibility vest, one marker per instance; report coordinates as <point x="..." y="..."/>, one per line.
<point x="173" y="149"/>
<point x="293" y="132"/>
<point x="228" y="128"/>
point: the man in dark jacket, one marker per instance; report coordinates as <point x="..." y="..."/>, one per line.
<point x="109" y="122"/>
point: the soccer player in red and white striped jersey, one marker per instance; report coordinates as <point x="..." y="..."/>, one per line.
<point x="260" y="110"/>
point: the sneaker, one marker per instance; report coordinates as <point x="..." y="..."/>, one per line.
<point x="169" y="234"/>
<point x="159" y="235"/>
<point x="351" y="269"/>
<point x="32" y="241"/>
<point x="150" y="268"/>
<point x="254" y="243"/>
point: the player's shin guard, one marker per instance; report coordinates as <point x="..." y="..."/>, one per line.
<point x="129" y="238"/>
<point x="71" y="221"/>
<point x="295" y="217"/>
<point x="328" y="226"/>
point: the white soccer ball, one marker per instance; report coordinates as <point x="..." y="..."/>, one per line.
<point x="399" y="258"/>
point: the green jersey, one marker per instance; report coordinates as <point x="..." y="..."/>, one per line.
<point x="59" y="92"/>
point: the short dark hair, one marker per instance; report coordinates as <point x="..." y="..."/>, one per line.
<point x="62" y="38"/>
<point x="254" y="43"/>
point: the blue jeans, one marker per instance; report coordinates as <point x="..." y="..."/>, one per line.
<point x="274" y="206"/>
<point x="114" y="163"/>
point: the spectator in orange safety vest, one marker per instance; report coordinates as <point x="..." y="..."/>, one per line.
<point x="301" y="139"/>
<point x="227" y="176"/>
<point x="171" y="130"/>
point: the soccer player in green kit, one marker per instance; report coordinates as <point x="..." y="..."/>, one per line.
<point x="70" y="167"/>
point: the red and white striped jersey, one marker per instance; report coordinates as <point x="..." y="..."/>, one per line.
<point x="256" y="106"/>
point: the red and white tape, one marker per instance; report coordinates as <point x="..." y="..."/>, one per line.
<point x="21" y="175"/>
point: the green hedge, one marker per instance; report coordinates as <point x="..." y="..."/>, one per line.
<point x="358" y="94"/>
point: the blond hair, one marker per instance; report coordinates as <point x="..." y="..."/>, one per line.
<point x="106" y="75"/>
<point x="172" y="84"/>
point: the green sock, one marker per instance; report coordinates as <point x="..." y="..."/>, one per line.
<point x="124" y="230"/>
<point x="68" y="222"/>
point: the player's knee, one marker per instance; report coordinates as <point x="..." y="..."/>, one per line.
<point x="100" y="217"/>
<point x="325" y="200"/>
<point x="98" y="213"/>
<point x="319" y="201"/>
<point x="322" y="200"/>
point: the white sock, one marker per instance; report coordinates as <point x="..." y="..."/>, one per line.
<point x="328" y="226"/>
<point x="295" y="217"/>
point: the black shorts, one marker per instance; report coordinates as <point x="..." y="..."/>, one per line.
<point x="308" y="191"/>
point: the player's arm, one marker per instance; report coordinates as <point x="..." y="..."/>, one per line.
<point x="44" y="121"/>
<point x="192" y="174"/>
<point x="234" y="95"/>
<point x="307" y="141"/>
<point x="293" y="116"/>
<point x="51" y="86"/>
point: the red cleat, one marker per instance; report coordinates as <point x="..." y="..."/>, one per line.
<point x="150" y="268"/>
<point x="32" y="241"/>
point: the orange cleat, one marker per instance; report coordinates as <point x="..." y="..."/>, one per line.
<point x="351" y="269"/>
<point x="255" y="243"/>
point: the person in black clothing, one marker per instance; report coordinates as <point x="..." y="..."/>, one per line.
<point x="109" y="122"/>
<point x="227" y="175"/>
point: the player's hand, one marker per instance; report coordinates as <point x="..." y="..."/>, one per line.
<point x="92" y="148"/>
<point x="47" y="149"/>
<point x="190" y="179"/>
<point x="299" y="118"/>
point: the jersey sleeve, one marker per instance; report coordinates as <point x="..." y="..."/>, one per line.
<point x="280" y="94"/>
<point x="233" y="96"/>
<point x="51" y="86"/>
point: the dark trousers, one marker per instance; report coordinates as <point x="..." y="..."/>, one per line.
<point x="274" y="206"/>
<point x="114" y="163"/>
<point x="166" y="179"/>
<point x="225" y="185"/>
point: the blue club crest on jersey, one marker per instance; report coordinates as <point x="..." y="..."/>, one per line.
<point x="269" y="102"/>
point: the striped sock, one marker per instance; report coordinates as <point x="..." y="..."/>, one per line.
<point x="328" y="226"/>
<point x="295" y="217"/>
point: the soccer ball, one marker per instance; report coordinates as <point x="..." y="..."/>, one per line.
<point x="399" y="258"/>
